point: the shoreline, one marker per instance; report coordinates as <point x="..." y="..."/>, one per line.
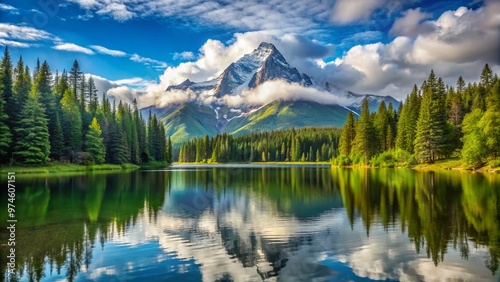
<point x="57" y="167"/>
<point x="252" y="164"/>
<point x="443" y="165"/>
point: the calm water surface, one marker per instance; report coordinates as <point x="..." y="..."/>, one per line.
<point x="257" y="223"/>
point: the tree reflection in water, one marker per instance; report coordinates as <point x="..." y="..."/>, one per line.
<point x="272" y="221"/>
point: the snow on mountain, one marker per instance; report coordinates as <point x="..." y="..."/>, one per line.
<point x="264" y="64"/>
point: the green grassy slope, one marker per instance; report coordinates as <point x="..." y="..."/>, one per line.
<point x="282" y="115"/>
<point x="189" y="121"/>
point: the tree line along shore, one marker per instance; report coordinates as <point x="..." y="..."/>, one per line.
<point x="57" y="121"/>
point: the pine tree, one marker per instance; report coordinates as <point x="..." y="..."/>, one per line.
<point x="11" y="107"/>
<point x="381" y="124"/>
<point x="62" y="85"/>
<point x="57" y="139"/>
<point x="82" y="96"/>
<point x="5" y="135"/>
<point x="169" y="151"/>
<point x="94" y="143"/>
<point x="92" y="95"/>
<point x="32" y="146"/>
<point x="37" y="67"/>
<point x="71" y="122"/>
<point x="347" y="136"/>
<point x="392" y="126"/>
<point x="430" y="139"/>
<point x="75" y="78"/>
<point x="141" y="134"/>
<point x="22" y="83"/>
<point x="365" y="134"/>
<point x="487" y="79"/>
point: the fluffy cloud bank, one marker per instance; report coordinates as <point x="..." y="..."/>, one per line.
<point x="280" y="90"/>
<point x="457" y="42"/>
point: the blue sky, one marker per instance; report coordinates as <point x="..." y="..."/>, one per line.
<point x="368" y="46"/>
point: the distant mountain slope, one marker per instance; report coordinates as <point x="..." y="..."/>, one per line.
<point x="210" y="113"/>
<point x="287" y="114"/>
<point x="189" y="121"/>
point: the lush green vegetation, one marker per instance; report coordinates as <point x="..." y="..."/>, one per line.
<point x="281" y="115"/>
<point x="435" y="123"/>
<point x="59" y="167"/>
<point x="47" y="118"/>
<point x="291" y="145"/>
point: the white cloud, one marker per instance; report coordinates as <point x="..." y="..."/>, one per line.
<point x="130" y="81"/>
<point x="461" y="36"/>
<point x="106" y="51"/>
<point x="186" y="55"/>
<point x="459" y="42"/>
<point x="175" y="97"/>
<point x="148" y="61"/>
<point x="26" y="33"/>
<point x="6" y="7"/>
<point x="71" y="47"/>
<point x="123" y="93"/>
<point x="283" y="15"/>
<point x="448" y="44"/>
<point x="125" y="90"/>
<point x="117" y="11"/>
<point x="11" y="43"/>
<point x="214" y="56"/>
<point x="86" y="4"/>
<point x="283" y="91"/>
<point x="411" y="24"/>
<point x="349" y="11"/>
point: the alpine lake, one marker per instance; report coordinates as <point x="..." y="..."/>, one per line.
<point x="255" y="223"/>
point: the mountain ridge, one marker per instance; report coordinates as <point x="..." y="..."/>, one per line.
<point x="265" y="64"/>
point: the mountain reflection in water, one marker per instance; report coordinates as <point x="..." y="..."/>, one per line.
<point x="260" y="223"/>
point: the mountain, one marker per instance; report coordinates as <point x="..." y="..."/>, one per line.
<point x="210" y="113"/>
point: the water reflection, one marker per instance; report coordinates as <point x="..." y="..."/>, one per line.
<point x="252" y="224"/>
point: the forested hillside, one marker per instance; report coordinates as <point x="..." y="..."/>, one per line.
<point x="435" y="122"/>
<point x="59" y="117"/>
<point x="304" y="144"/>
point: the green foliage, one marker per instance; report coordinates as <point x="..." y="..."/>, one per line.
<point x="407" y="124"/>
<point x="5" y="135"/>
<point x="494" y="163"/>
<point x="22" y="83"/>
<point x="404" y="158"/>
<point x="385" y="159"/>
<point x="279" y="115"/>
<point x="431" y="125"/>
<point x="32" y="146"/>
<point x="347" y="136"/>
<point x="275" y="146"/>
<point x="71" y="123"/>
<point x="342" y="160"/>
<point x="434" y="123"/>
<point x="490" y="125"/>
<point x="94" y="143"/>
<point x="365" y="134"/>
<point x="474" y="149"/>
<point x="12" y="108"/>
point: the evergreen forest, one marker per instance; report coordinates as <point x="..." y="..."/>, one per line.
<point x="436" y="122"/>
<point x="59" y="117"/>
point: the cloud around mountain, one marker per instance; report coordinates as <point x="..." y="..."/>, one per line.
<point x="283" y="91"/>
<point x="263" y="94"/>
<point x="449" y="45"/>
